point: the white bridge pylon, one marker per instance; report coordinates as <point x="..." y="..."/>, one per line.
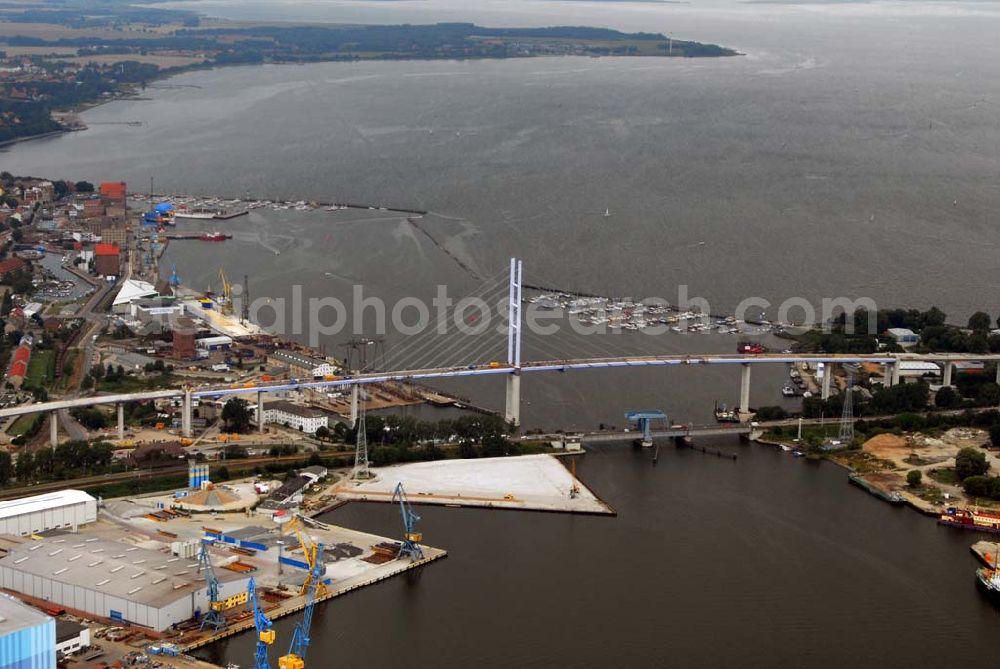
<point x="512" y="412"/>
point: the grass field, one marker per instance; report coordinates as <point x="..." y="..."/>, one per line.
<point x="20" y="426"/>
<point x="41" y="368"/>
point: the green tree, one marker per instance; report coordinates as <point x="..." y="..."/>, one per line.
<point x="83" y="187"/>
<point x="946" y="398"/>
<point x="6" y="468"/>
<point x="322" y="432"/>
<point x="24" y="469"/>
<point x="221" y="474"/>
<point x="913" y="478"/>
<point x="979" y="321"/>
<point x="970" y="462"/>
<point x="977" y="486"/>
<point x="995" y="434"/>
<point x="236" y="415"/>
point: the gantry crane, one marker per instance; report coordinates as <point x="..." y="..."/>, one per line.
<point x="411" y="537"/>
<point x="296" y="656"/>
<point x="214" y="615"/>
<point x="265" y="635"/>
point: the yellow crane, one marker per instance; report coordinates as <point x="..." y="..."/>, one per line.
<point x="313" y="588"/>
<point x="310" y="551"/>
<point x="226" y="298"/>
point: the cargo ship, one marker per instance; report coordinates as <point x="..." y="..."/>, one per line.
<point x="982" y="521"/>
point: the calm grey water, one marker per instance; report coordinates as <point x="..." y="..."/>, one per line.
<point x="766" y="562"/>
<point x="852" y="151"/>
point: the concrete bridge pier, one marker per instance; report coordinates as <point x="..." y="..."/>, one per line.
<point x="949" y="368"/>
<point x="745" y="389"/>
<point x="895" y="373"/>
<point x="513" y="406"/>
<point x="186" y="415"/>
<point x="260" y="412"/>
<point x="121" y="420"/>
<point x="54" y="429"/>
<point x="355" y="395"/>
<point x="827" y="380"/>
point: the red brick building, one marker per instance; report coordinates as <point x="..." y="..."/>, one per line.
<point x="184" y="333"/>
<point x="19" y="366"/>
<point x="113" y="193"/>
<point x="107" y="259"/>
<point x="93" y="208"/>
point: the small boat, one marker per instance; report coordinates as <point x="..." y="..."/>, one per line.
<point x="607" y="212"/>
<point x="726" y="415"/>
<point x="988" y="581"/>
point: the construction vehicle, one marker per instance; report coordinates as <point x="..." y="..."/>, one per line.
<point x="314" y="585"/>
<point x="214" y="615"/>
<point x="265" y="635"/>
<point x="411" y="537"/>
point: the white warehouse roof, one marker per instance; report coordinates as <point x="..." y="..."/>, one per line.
<point x="133" y="289"/>
<point x="52" y="500"/>
<point x="120" y="570"/>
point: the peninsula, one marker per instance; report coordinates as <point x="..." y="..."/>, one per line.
<point x="57" y="57"/>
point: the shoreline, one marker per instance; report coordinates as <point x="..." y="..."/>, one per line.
<point x="168" y="73"/>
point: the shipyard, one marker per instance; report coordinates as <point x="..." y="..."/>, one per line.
<point x="447" y="334"/>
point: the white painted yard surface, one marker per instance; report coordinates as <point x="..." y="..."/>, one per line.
<point x="537" y="482"/>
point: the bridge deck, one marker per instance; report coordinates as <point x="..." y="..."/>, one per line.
<point x="487" y="370"/>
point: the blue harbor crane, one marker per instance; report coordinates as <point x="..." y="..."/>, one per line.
<point x="644" y="420"/>
<point x="265" y="635"/>
<point x="174" y="280"/>
<point x="411" y="537"/>
<point x="214" y="615"/>
<point x="296" y="657"/>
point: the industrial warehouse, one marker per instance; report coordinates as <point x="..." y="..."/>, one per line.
<point x="27" y="636"/>
<point x="66" y="509"/>
<point x="111" y="580"/>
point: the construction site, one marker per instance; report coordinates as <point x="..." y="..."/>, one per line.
<point x="150" y="580"/>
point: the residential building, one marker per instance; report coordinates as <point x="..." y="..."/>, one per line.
<point x="107" y="259"/>
<point x="296" y="416"/>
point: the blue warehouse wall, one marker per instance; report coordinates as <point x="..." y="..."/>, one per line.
<point x="30" y="648"/>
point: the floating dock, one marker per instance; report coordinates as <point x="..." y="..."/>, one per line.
<point x="987" y="552"/>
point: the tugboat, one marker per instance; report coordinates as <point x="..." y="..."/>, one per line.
<point x="214" y="237"/>
<point x="751" y="347"/>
